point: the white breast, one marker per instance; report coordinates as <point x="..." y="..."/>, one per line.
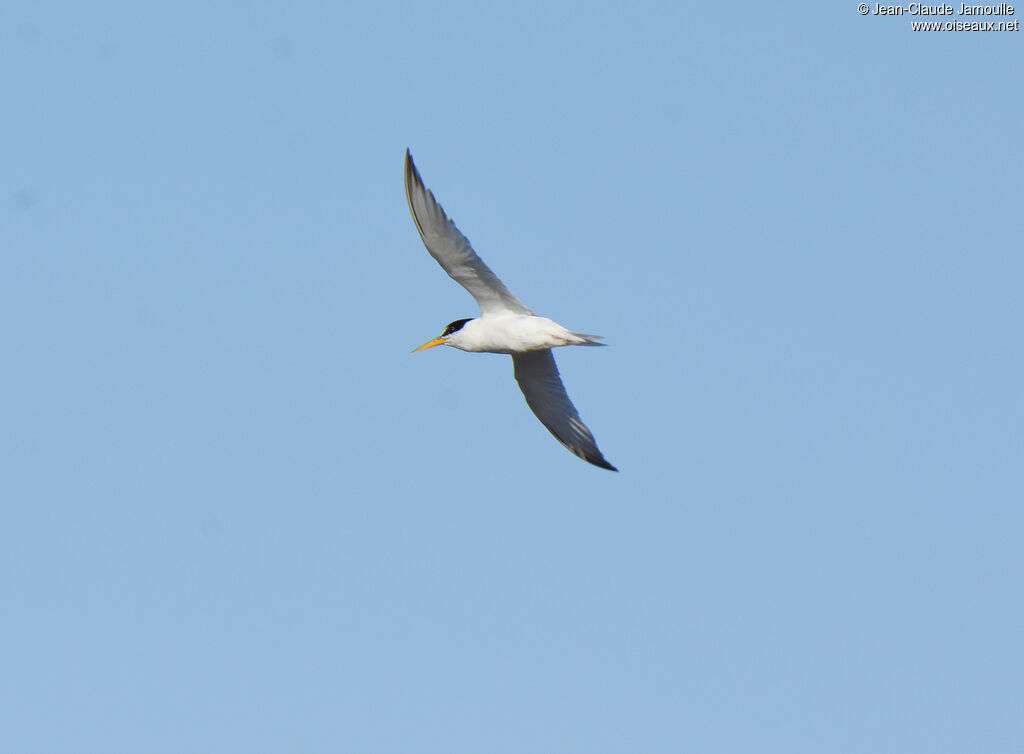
<point x="512" y="333"/>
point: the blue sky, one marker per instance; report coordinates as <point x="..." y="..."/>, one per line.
<point x="238" y="515"/>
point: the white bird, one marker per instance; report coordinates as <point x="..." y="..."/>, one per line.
<point x="507" y="325"/>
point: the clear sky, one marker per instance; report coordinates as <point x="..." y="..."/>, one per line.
<point x="237" y="515"/>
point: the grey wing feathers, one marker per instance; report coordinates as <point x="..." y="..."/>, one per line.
<point x="538" y="378"/>
<point x="453" y="251"/>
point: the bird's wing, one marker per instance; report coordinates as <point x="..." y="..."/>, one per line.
<point x="538" y="378"/>
<point x="453" y="251"/>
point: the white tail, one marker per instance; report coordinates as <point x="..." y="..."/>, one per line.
<point x="588" y="340"/>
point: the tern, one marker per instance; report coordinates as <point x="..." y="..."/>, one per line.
<point x="506" y="325"/>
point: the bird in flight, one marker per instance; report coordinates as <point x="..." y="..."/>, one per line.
<point x="506" y="324"/>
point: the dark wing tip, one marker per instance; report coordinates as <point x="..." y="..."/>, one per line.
<point x="599" y="461"/>
<point x="412" y="175"/>
<point x="410" y="167"/>
<point x="412" y="178"/>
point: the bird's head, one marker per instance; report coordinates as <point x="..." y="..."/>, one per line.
<point x="444" y="337"/>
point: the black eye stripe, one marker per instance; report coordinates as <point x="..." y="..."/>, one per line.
<point x="454" y="326"/>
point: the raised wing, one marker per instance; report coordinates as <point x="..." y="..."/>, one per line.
<point x="453" y="251"/>
<point x="538" y="378"/>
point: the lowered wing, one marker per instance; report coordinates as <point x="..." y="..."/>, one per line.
<point x="538" y="378"/>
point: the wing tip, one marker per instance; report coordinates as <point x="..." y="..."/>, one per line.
<point x="412" y="179"/>
<point x="600" y="462"/>
<point x="410" y="168"/>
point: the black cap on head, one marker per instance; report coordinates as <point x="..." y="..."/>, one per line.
<point x="454" y="327"/>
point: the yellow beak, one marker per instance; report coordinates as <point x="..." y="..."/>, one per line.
<point x="429" y="344"/>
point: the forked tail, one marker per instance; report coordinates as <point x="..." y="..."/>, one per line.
<point x="588" y="340"/>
